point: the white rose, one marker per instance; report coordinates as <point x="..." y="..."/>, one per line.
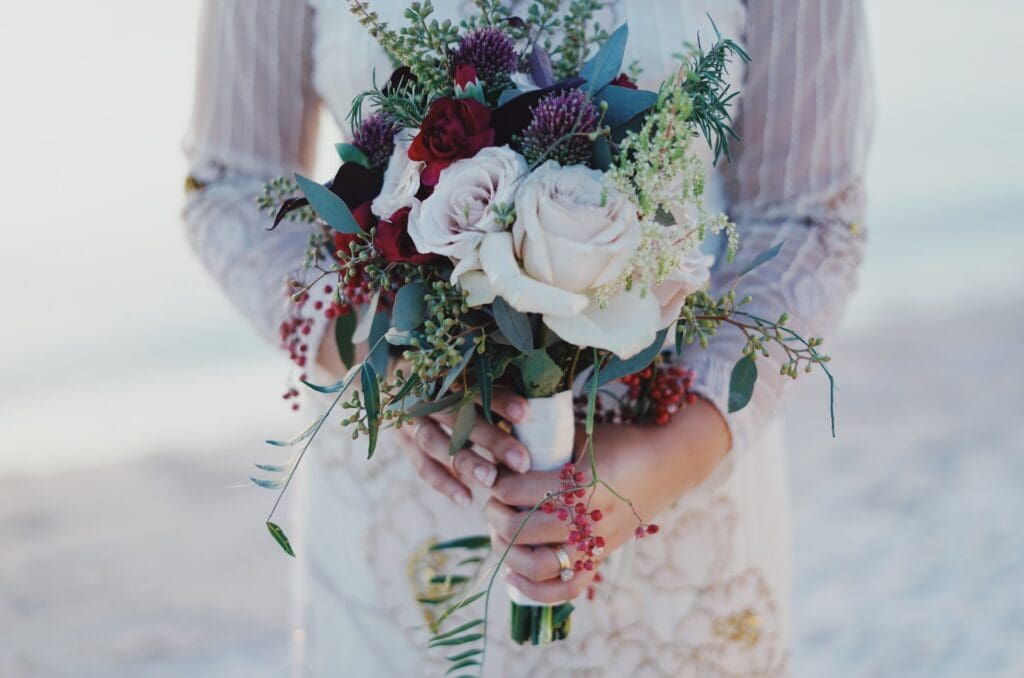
<point x="457" y="215"/>
<point x="573" y="234"/>
<point x="693" y="274"/>
<point x="401" y="179"/>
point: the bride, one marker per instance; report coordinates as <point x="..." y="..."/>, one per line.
<point x="710" y="596"/>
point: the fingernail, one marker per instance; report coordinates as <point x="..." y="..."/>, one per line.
<point x="461" y="499"/>
<point x="485" y="474"/>
<point x="518" y="460"/>
<point x="517" y="409"/>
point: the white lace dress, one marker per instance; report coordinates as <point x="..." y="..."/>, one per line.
<point x="710" y="595"/>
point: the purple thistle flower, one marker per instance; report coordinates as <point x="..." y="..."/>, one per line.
<point x="491" y="52"/>
<point x="555" y="116"/>
<point x="376" y="138"/>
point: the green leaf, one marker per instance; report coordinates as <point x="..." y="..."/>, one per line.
<point x="474" y="542"/>
<point x="507" y="96"/>
<point x="541" y="376"/>
<point x="514" y="325"/>
<point x="371" y="402"/>
<point x="741" y="383"/>
<point x="485" y="383"/>
<point x="410" y="306"/>
<point x="330" y="207"/>
<point x="457" y="640"/>
<point x="762" y="258"/>
<point x="274" y="468"/>
<point x="333" y="388"/>
<point x="269" y="484"/>
<point x="624" y="103"/>
<point x="449" y="579"/>
<point x="379" y="355"/>
<point x="454" y="374"/>
<point x="344" y="327"/>
<point x="433" y="407"/>
<point x="279" y="536"/>
<point x="461" y="665"/>
<point x="351" y="153"/>
<point x="464" y="655"/>
<point x="606" y="65"/>
<point x="463" y="427"/>
<point x="601" y="153"/>
<point x="617" y="367"/>
<point x="466" y="602"/>
<point x="301" y="436"/>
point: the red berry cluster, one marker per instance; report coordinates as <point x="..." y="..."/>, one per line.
<point x="661" y="390"/>
<point x="577" y="516"/>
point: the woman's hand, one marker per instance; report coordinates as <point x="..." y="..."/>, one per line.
<point x="653" y="466"/>
<point x="427" y="439"/>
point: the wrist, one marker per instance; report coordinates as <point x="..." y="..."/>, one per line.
<point x="693" y="443"/>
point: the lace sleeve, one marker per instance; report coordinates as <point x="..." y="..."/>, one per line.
<point x="254" y="118"/>
<point x="805" y="117"/>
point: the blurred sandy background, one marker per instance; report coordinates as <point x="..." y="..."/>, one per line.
<point x="133" y="398"/>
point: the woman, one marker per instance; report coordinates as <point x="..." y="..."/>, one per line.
<point x="710" y="594"/>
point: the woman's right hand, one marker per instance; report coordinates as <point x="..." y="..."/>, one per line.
<point x="427" y="438"/>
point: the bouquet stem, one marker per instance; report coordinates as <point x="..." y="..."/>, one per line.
<point x="548" y="434"/>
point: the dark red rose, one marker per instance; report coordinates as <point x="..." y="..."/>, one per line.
<point x="453" y="129"/>
<point x="624" y="81"/>
<point x="364" y="217"/>
<point x="393" y="242"/>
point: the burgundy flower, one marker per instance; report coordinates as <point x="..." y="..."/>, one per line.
<point x="624" y="81"/>
<point x="393" y="242"/>
<point x="364" y="217"/>
<point x="453" y="129"/>
<point x="465" y="75"/>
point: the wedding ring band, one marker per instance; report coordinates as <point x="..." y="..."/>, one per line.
<point x="564" y="562"/>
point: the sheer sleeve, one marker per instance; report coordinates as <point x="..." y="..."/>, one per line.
<point x="254" y="118"/>
<point x="805" y="118"/>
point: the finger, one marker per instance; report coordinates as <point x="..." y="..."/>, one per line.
<point x="509" y="405"/>
<point x="526" y="489"/>
<point x="433" y="441"/>
<point x="539" y="528"/>
<point x="505" y="448"/>
<point x="536" y="563"/>
<point x="552" y="591"/>
<point x="439" y="477"/>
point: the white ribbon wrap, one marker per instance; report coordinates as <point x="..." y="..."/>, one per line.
<point x="548" y="432"/>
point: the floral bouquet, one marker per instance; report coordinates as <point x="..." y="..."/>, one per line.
<point x="513" y="211"/>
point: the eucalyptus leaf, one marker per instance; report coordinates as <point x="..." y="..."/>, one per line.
<point x="741" y="383"/>
<point x="762" y="258"/>
<point x="625" y="103"/>
<point x="274" y="468"/>
<point x="541" y="70"/>
<point x="371" y="403"/>
<point x="507" y="96"/>
<point x="280" y="537"/>
<point x="344" y="328"/>
<point x="472" y="543"/>
<point x="410" y="306"/>
<point x="606" y="65"/>
<point x="617" y="368"/>
<point x="379" y="355"/>
<point x="463" y="426"/>
<point x="351" y="153"/>
<point x="459" y="369"/>
<point x="541" y="375"/>
<point x="310" y="430"/>
<point x="330" y="207"/>
<point x="396" y="338"/>
<point x="365" y="324"/>
<point x="427" y="408"/>
<point x="514" y="325"/>
<point x="485" y="384"/>
<point x="336" y="387"/>
<point x="601" y="153"/>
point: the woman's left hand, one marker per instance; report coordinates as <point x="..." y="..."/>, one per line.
<point x="652" y="466"/>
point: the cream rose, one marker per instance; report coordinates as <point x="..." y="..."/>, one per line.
<point x="693" y="274"/>
<point x="401" y="179"/>
<point x="457" y="215"/>
<point x="572" y="234"/>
